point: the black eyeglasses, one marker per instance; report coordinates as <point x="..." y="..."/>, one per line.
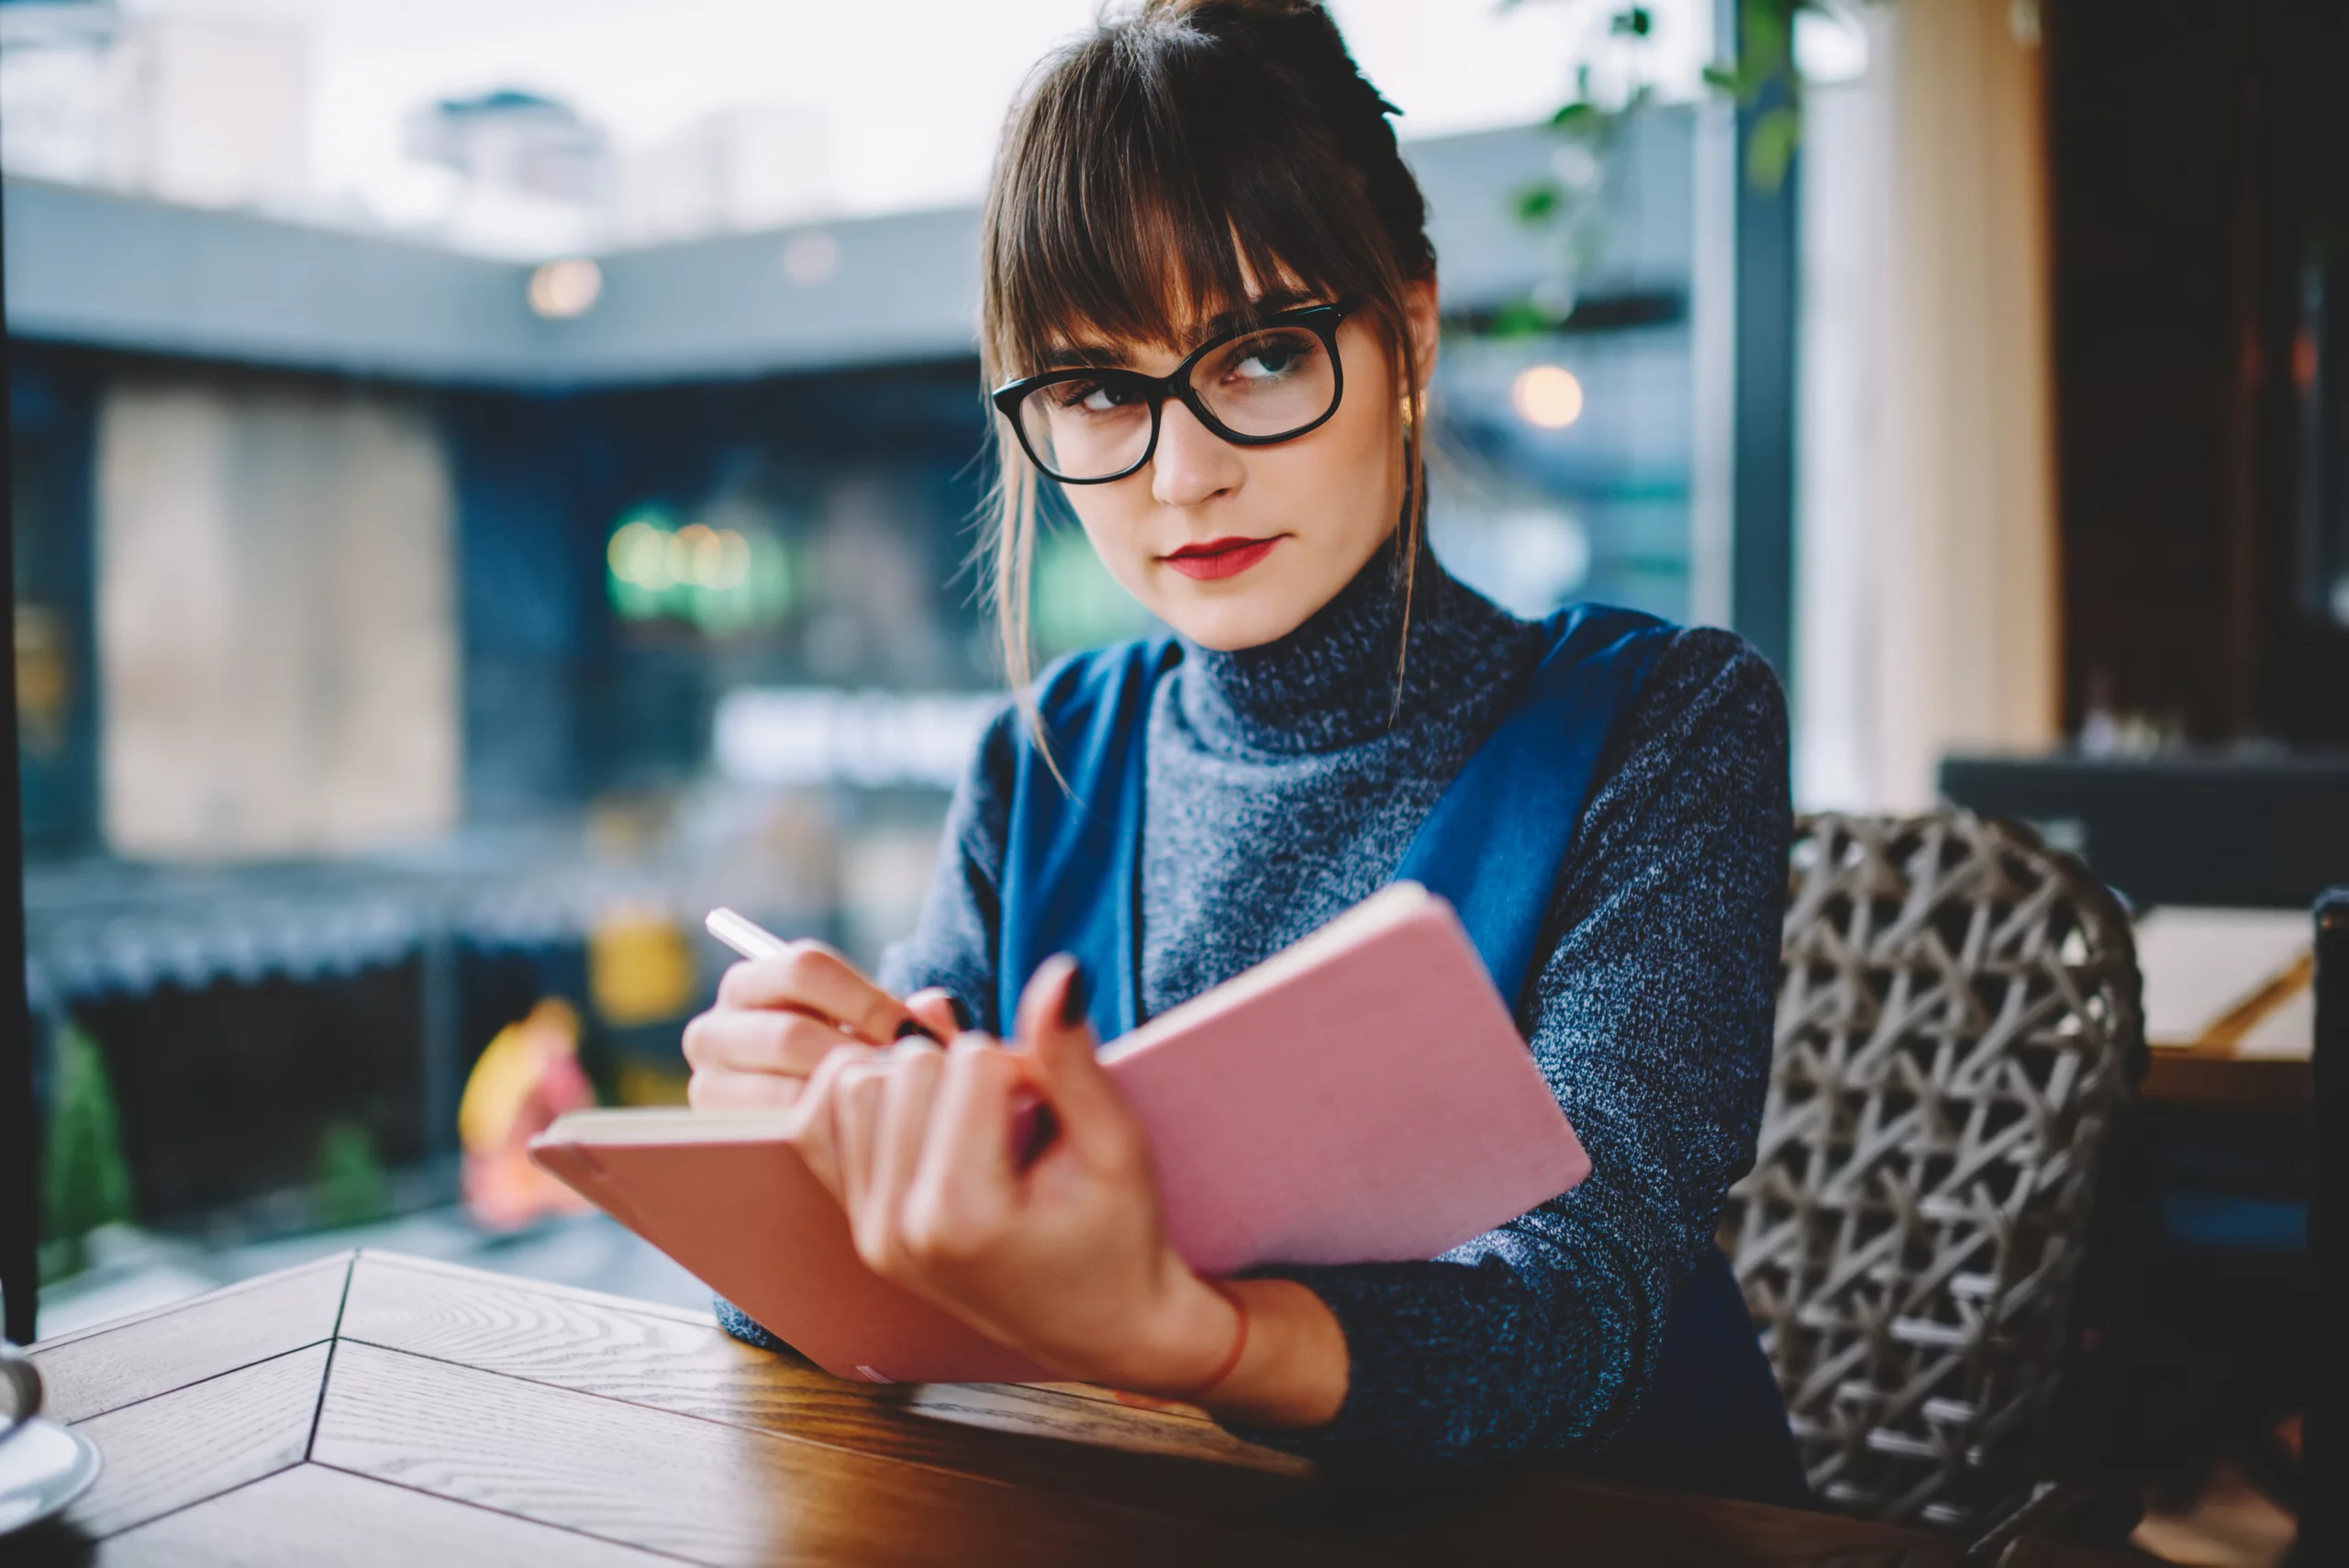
<point x="1254" y="385"/>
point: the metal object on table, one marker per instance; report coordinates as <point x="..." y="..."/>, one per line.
<point x="43" y="1466"/>
<point x="19" y="1389"/>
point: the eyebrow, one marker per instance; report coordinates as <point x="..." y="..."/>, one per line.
<point x="1076" y="356"/>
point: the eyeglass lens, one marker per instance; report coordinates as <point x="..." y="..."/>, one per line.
<point x="1264" y="385"/>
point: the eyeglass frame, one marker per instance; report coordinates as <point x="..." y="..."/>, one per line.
<point x="1321" y="320"/>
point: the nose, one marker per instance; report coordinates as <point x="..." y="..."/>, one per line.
<point x="1192" y="464"/>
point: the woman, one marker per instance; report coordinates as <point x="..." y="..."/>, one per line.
<point x="1211" y="306"/>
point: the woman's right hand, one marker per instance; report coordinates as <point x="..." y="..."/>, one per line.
<point x="778" y="1018"/>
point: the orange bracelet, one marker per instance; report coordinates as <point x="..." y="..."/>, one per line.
<point x="1238" y="1344"/>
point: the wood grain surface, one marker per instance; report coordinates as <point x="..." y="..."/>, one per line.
<point x="442" y="1415"/>
<point x="1082" y="1444"/>
<point x="2215" y="1081"/>
<point x="198" y="1442"/>
<point x="705" y="1492"/>
<point x="108" y="1367"/>
<point x="674" y="1362"/>
<point x="309" y="1516"/>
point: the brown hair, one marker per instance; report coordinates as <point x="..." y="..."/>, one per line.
<point x="1153" y="166"/>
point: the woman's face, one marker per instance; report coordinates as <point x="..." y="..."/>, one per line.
<point x="1234" y="546"/>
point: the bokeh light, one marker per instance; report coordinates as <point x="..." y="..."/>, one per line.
<point x="1547" y="396"/>
<point x="559" y="290"/>
<point x="810" y="259"/>
<point x="722" y="580"/>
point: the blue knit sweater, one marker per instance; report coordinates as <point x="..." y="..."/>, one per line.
<point x="1284" y="783"/>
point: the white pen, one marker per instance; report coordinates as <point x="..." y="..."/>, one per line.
<point x="1029" y="1129"/>
<point x="744" y="935"/>
<point x="753" y="941"/>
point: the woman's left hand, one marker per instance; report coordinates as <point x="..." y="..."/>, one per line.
<point x="1063" y="1257"/>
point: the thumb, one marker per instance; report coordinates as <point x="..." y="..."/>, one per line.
<point x="1056" y="1045"/>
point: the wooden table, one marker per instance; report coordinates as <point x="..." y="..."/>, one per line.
<point x="2217" y="1078"/>
<point x="2230" y="1009"/>
<point x="373" y="1408"/>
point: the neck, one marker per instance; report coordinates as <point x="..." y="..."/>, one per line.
<point x="1347" y="676"/>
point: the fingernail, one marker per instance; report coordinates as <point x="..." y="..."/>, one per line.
<point x="962" y="1020"/>
<point x="913" y="1026"/>
<point x="1075" y="994"/>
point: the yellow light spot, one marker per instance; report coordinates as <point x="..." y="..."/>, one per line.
<point x="709" y="560"/>
<point x="629" y="549"/>
<point x="1547" y="396"/>
<point x="733" y="557"/>
<point x="649" y="560"/>
<point x="685" y="552"/>
<point x="561" y="290"/>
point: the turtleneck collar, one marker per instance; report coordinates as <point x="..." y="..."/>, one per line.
<point x="1332" y="683"/>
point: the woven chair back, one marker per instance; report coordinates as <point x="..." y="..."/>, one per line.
<point x="1958" y="1028"/>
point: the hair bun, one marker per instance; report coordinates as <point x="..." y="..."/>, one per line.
<point x="1151" y="8"/>
<point x="1299" y="39"/>
<point x="1302" y="30"/>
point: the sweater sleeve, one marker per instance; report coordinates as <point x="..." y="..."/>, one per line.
<point x="1651" y="1019"/>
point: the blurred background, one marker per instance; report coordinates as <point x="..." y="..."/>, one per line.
<point x="496" y="478"/>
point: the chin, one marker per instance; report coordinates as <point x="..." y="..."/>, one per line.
<point x="1228" y="625"/>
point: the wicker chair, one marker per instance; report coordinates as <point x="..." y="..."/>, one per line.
<point x="1958" y="1028"/>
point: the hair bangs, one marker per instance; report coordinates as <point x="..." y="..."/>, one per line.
<point x="1141" y="197"/>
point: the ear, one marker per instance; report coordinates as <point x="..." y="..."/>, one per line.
<point x="1422" y="318"/>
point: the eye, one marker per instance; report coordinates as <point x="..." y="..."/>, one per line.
<point x="1091" y="396"/>
<point x="1271" y="356"/>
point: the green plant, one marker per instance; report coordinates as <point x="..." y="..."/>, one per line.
<point x="85" y="1183"/>
<point x="1763" y="76"/>
<point x="350" y="1186"/>
<point x="1758" y="74"/>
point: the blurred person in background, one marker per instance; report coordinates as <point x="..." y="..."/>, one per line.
<point x="1211" y="308"/>
<point x="528" y="1075"/>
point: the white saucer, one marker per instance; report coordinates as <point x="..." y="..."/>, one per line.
<point x="43" y="1467"/>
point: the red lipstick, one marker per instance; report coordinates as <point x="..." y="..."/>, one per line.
<point x="1220" y="556"/>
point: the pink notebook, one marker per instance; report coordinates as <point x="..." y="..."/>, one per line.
<point x="1361" y="1097"/>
